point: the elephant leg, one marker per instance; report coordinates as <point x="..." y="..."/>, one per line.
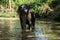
<point x="33" y="21"/>
<point x="33" y="25"/>
<point x="23" y="22"/>
<point x="29" y="20"/>
<point x="29" y="25"/>
<point x="23" y="26"/>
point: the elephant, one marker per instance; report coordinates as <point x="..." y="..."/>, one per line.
<point x="26" y="16"/>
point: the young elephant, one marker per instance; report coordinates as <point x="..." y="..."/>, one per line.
<point x="27" y="16"/>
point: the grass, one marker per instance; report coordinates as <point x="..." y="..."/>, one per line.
<point x="8" y="15"/>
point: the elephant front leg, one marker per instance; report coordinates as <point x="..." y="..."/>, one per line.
<point x="23" y="22"/>
<point x="23" y="26"/>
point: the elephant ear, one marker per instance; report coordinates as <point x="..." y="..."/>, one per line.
<point x="19" y="9"/>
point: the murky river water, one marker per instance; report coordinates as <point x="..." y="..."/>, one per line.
<point x="10" y="29"/>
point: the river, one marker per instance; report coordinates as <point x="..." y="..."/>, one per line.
<point x="10" y="29"/>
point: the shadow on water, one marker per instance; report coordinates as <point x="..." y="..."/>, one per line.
<point x="11" y="30"/>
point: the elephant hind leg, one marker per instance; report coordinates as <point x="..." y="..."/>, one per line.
<point x="33" y="25"/>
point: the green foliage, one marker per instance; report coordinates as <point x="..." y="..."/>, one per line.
<point x="56" y="10"/>
<point x="36" y="4"/>
<point x="57" y="17"/>
<point x="19" y="2"/>
<point x="39" y="6"/>
<point x="57" y="13"/>
<point x="49" y="1"/>
<point x="57" y="1"/>
<point x="4" y="2"/>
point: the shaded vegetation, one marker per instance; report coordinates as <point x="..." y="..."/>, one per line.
<point x="43" y="8"/>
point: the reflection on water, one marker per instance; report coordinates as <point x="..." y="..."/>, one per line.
<point x="11" y="30"/>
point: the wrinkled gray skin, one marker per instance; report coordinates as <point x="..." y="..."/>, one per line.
<point x="27" y="16"/>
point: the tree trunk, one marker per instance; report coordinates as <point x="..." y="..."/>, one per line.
<point x="9" y="6"/>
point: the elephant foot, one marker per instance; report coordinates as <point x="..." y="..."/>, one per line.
<point x="33" y="29"/>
